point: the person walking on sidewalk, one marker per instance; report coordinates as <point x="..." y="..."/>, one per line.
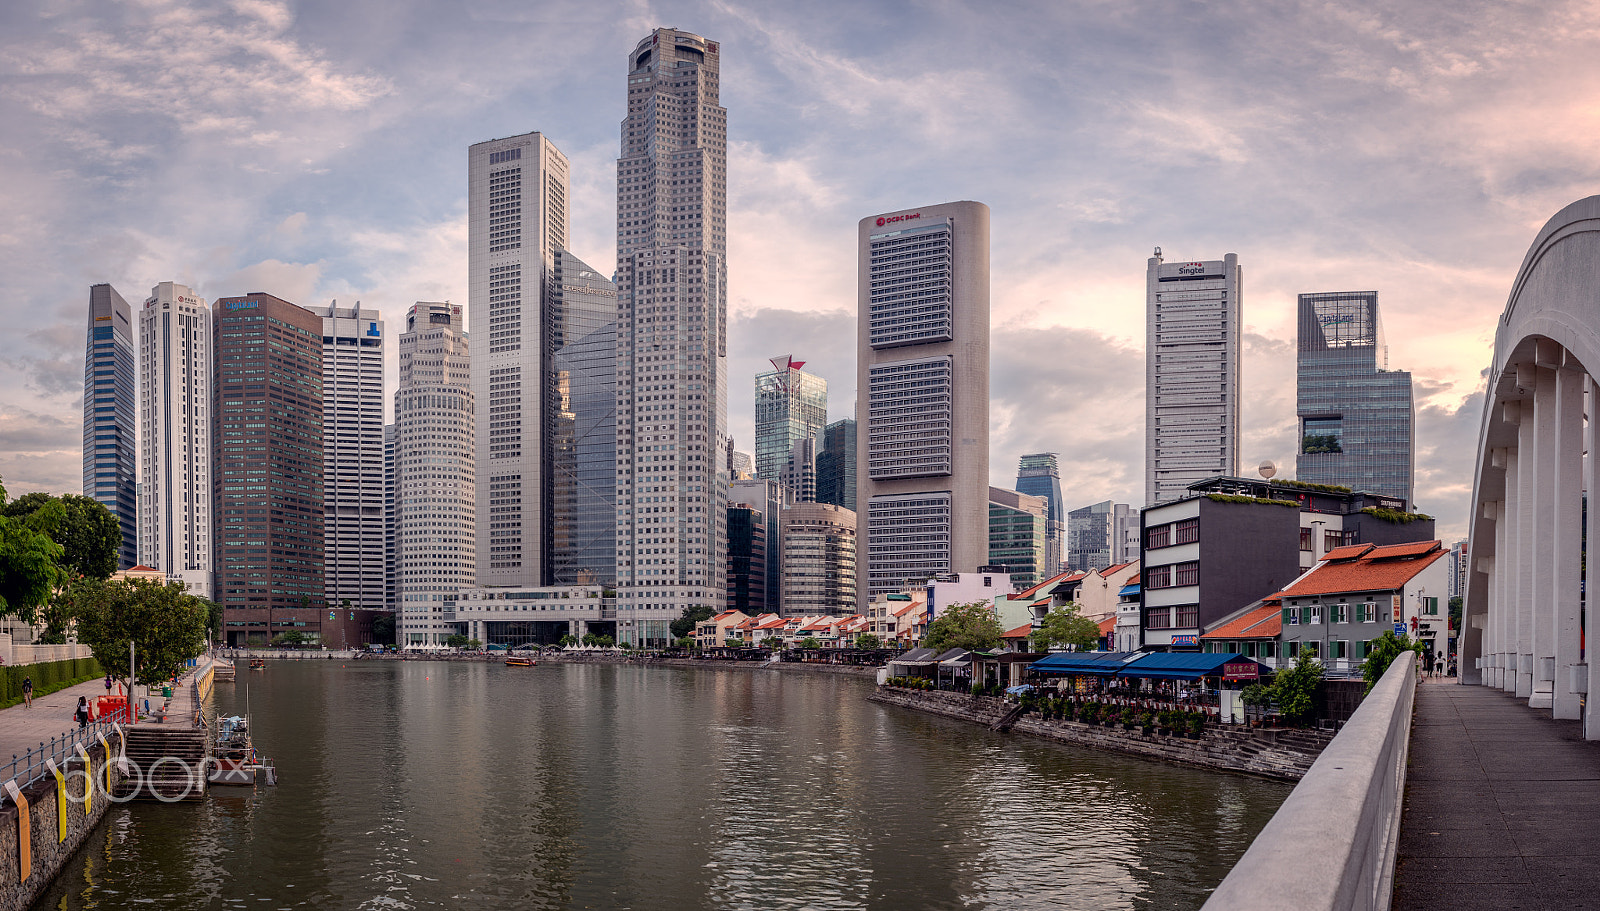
<point x="82" y="713"/>
<point x="27" y="692"/>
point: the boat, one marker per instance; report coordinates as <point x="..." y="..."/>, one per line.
<point x="258" y="664"/>
<point x="234" y="760"/>
<point x="519" y="661"/>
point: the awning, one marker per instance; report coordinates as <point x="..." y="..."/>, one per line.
<point x="1182" y="665"/>
<point x="1131" y="588"/>
<point x="917" y="657"/>
<point x="1101" y="664"/>
<point x="956" y="657"/>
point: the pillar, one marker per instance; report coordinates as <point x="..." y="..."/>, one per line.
<point x="1591" y="474"/>
<point x="1506" y="565"/>
<point x="1541" y="544"/>
<point x="1567" y="536"/>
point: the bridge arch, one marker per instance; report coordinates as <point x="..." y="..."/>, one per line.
<point x="1522" y="623"/>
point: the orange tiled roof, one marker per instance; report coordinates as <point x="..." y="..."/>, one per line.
<point x="1262" y="623"/>
<point x="1348" y="552"/>
<point x="1108" y="624"/>
<point x="1380" y="569"/>
<point x="1116" y="568"/>
<point x="1020" y="632"/>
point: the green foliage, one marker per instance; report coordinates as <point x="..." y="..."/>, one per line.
<point x="88" y="532"/>
<point x="867" y="641"/>
<point x="1293" y="689"/>
<point x="291" y="639"/>
<point x="731" y="642"/>
<point x="30" y="562"/>
<point x="973" y="627"/>
<point x="382" y="627"/>
<point x="772" y="643"/>
<point x="166" y="624"/>
<point x="567" y="640"/>
<point x="1395" y="516"/>
<point x="1385" y="649"/>
<point x="684" y="642"/>
<point x="456" y="640"/>
<point x="1237" y="498"/>
<point x="692" y="617"/>
<point x="1256" y="694"/>
<point x="1455" y="612"/>
<point x="1307" y="485"/>
<point x="1065" y="626"/>
<point x="599" y="641"/>
<point x="910" y="683"/>
<point x="48" y="677"/>
<point x="810" y="642"/>
<point x="1313" y="442"/>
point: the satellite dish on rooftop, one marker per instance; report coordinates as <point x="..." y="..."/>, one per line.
<point x="1267" y="469"/>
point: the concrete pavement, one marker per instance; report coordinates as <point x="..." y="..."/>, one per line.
<point x="1501" y="807"/>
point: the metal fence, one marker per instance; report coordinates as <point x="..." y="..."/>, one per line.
<point x="27" y="768"/>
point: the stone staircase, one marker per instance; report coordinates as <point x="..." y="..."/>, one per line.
<point x="171" y="763"/>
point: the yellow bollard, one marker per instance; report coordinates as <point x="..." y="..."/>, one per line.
<point x="105" y="755"/>
<point x="61" y="800"/>
<point x="88" y="780"/>
<point x="24" y="832"/>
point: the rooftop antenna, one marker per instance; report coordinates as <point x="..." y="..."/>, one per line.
<point x="1158" y="252"/>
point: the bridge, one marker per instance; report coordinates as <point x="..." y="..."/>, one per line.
<point x="1482" y="794"/>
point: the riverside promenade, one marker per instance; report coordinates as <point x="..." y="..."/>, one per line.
<point x="1500" y="805"/>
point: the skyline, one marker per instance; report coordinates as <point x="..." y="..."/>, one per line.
<point x="1415" y="153"/>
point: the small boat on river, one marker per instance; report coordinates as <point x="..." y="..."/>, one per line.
<point x="234" y="760"/>
<point x="258" y="664"/>
<point x="519" y="661"/>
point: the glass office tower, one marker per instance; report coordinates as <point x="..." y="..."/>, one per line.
<point x="582" y="437"/>
<point x="110" y="409"/>
<point x="1356" y="415"/>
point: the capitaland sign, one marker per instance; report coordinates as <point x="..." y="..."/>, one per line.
<point x="892" y="219"/>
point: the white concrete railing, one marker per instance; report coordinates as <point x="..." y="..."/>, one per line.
<point x="1332" y="844"/>
<point x="38" y="654"/>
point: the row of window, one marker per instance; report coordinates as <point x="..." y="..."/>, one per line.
<point x="1186" y="531"/>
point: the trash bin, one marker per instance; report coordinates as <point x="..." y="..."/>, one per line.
<point x="166" y="692"/>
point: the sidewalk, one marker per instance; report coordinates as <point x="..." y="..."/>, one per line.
<point x="22" y="727"/>
<point x="1500" y="806"/>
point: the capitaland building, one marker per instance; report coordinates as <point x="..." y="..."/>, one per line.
<point x="110" y="416"/>
<point x="791" y="409"/>
<point x="672" y="288"/>
<point x="1356" y="415"/>
<point x="267" y="475"/>
<point x="435" y="484"/>
<point x="922" y="466"/>
<point x="175" y="445"/>
<point x="1192" y="358"/>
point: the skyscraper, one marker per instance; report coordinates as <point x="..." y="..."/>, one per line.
<point x="175" y="447"/>
<point x="110" y="415"/>
<point x="766" y="499"/>
<point x="352" y="456"/>
<point x="266" y="491"/>
<point x="747" y="559"/>
<point x="435" y="494"/>
<point x="1356" y="415"/>
<point x="581" y="429"/>
<point x="1100" y="535"/>
<point x="517" y="219"/>
<point x="922" y="388"/>
<point x="819" y="560"/>
<point x="791" y="405"/>
<point x="1018" y="526"/>
<point x="672" y="292"/>
<point x="836" y="465"/>
<point x="1039" y="475"/>
<point x="1192" y="355"/>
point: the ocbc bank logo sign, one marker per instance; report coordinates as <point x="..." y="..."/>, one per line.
<point x="894" y="218"/>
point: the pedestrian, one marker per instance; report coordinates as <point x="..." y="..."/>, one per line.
<point x="27" y="692"/>
<point x="82" y="714"/>
<point x="108" y="684"/>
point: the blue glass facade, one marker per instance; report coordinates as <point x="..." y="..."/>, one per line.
<point x="110" y="409"/>
<point x="1038" y="475"/>
<point x="581" y="440"/>
<point x="1356" y="415"/>
<point x="836" y="465"/>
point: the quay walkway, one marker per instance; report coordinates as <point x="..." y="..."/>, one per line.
<point x="1500" y="805"/>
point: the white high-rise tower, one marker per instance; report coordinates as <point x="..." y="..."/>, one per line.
<point x="435" y="528"/>
<point x="352" y="457"/>
<point x="1191" y="356"/>
<point x="517" y="218"/>
<point x="672" y="336"/>
<point x="175" y="457"/>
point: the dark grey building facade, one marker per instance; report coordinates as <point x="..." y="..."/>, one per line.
<point x="836" y="465"/>
<point x="110" y="416"/>
<point x="1356" y="415"/>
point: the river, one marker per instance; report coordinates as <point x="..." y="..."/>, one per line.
<point x="425" y="784"/>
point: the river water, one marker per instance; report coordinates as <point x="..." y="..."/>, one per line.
<point x="426" y="784"/>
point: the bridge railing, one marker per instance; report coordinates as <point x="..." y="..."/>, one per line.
<point x="1332" y="844"/>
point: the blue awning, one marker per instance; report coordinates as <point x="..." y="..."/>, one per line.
<point x="1132" y="588"/>
<point x="1181" y="665"/>
<point x="1100" y="664"/>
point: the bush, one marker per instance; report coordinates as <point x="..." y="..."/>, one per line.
<point x="48" y="677"/>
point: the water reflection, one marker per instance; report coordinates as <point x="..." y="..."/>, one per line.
<point x="421" y="784"/>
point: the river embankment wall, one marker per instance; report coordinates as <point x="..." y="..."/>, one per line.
<point x="48" y="847"/>
<point x="1282" y="754"/>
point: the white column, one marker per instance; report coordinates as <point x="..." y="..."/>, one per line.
<point x="1567" y="538"/>
<point x="1591" y="474"/>
<point x="1508" y="566"/>
<point x="1541" y="545"/>
<point x="1527" y="546"/>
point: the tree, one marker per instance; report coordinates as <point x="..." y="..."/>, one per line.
<point x="1385" y="649"/>
<point x="87" y="530"/>
<point x="973" y="627"/>
<point x="456" y="640"/>
<point x="1066" y="627"/>
<point x="166" y="624"/>
<point x="867" y="641"/>
<point x="692" y="617"/>
<point x="809" y="642"/>
<point x="291" y="639"/>
<point x="567" y="640"/>
<point x="1293" y="689"/>
<point x="1455" y="612"/>
<point x="383" y="629"/>
<point x="30" y="561"/>
<point x="733" y="643"/>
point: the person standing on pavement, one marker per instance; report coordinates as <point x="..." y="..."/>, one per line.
<point x="27" y="692"/>
<point x="82" y="713"/>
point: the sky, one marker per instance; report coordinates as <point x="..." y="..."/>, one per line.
<point x="317" y="151"/>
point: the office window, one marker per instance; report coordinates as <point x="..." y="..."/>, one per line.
<point x="1305" y="540"/>
<point x="1291" y="616"/>
<point x="1340" y="648"/>
<point x="1314" y="614"/>
<point x="1159" y="618"/>
<point x="1186" y="574"/>
<point x="1186" y="532"/>
<point x="1188" y="616"/>
<point x="1339" y="613"/>
<point x="1430" y="607"/>
<point x="1160" y="536"/>
<point x="1158" y="577"/>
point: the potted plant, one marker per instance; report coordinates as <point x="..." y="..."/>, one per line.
<point x="1145" y="726"/>
<point x="1197" y="721"/>
<point x="1127" y="718"/>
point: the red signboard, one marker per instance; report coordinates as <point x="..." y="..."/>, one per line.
<point x="1241" y="670"/>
